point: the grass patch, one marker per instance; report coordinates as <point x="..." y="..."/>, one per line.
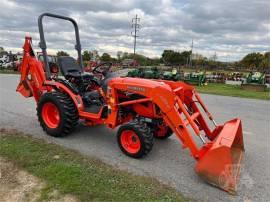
<point x="86" y="178"/>
<point x="232" y="90"/>
<point x="8" y="71"/>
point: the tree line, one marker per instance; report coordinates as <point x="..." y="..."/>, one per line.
<point x="255" y="60"/>
<point x="106" y="57"/>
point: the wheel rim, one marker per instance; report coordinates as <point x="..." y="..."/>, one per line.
<point x="50" y="115"/>
<point x="130" y="141"/>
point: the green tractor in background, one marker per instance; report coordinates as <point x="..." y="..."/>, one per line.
<point x="148" y="73"/>
<point x="137" y="72"/>
<point x="255" y="81"/>
<point x="172" y="75"/>
<point x="195" y="78"/>
<point x="256" y="78"/>
<point x="151" y="73"/>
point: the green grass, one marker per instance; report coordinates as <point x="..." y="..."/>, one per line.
<point x="86" y="178"/>
<point x="8" y="71"/>
<point x="231" y="90"/>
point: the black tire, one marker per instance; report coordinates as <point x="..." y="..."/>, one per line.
<point x="144" y="134"/>
<point x="67" y="110"/>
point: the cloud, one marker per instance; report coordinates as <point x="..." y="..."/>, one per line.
<point x="230" y="28"/>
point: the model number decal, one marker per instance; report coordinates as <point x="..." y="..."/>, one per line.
<point x="136" y="88"/>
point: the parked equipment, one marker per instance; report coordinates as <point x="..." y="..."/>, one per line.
<point x="216" y="77"/>
<point x="255" y="81"/>
<point x="151" y="73"/>
<point x="142" y="108"/>
<point x="137" y="72"/>
<point x="172" y="75"/>
<point x="234" y="76"/>
<point x="197" y="78"/>
<point x="256" y="77"/>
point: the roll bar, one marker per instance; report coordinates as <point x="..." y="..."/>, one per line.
<point x="42" y="43"/>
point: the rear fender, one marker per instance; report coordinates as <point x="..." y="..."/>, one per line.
<point x="76" y="98"/>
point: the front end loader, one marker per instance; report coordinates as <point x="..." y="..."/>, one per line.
<point x="142" y="108"/>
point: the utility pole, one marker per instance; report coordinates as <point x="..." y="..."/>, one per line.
<point x="136" y="27"/>
<point x="190" y="57"/>
<point x="227" y="61"/>
<point x="215" y="56"/>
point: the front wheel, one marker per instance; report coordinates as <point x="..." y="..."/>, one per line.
<point x="135" y="139"/>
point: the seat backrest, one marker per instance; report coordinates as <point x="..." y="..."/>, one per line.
<point x="68" y="65"/>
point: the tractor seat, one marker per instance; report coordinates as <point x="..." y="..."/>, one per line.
<point x="71" y="69"/>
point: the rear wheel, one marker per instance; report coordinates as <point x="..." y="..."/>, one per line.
<point x="135" y="139"/>
<point x="57" y="114"/>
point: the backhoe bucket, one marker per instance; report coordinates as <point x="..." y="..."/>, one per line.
<point x="25" y="88"/>
<point x="220" y="163"/>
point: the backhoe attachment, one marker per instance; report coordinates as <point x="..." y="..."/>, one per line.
<point x="32" y="73"/>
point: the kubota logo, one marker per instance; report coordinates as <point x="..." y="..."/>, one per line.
<point x="136" y="88"/>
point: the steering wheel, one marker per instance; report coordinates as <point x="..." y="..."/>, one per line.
<point x="103" y="71"/>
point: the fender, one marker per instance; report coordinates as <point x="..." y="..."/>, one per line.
<point x="76" y="98"/>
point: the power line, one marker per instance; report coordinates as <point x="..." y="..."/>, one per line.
<point x="135" y="24"/>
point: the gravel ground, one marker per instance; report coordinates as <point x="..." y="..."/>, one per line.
<point x="167" y="162"/>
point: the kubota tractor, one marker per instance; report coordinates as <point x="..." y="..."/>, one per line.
<point x="142" y="108"/>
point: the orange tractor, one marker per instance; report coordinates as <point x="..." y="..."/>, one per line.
<point x="142" y="108"/>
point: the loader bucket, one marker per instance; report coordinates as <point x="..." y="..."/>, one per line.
<point x="221" y="163"/>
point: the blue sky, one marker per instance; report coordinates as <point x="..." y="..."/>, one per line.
<point x="231" y="28"/>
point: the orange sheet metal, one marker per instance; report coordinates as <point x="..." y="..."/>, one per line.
<point x="220" y="165"/>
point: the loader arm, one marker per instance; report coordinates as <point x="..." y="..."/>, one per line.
<point x="180" y="105"/>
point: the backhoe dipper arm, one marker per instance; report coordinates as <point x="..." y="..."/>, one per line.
<point x="32" y="73"/>
<point x="26" y="56"/>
